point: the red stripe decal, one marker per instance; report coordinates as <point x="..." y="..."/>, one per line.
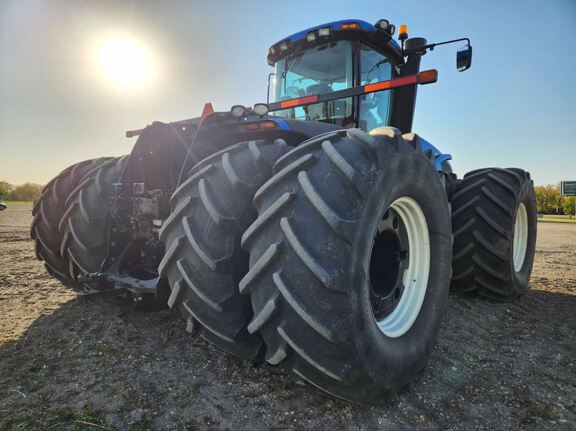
<point x="385" y="85"/>
<point x="300" y="101"/>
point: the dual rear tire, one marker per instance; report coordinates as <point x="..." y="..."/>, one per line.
<point x="48" y="211"/>
<point x="494" y="225"/>
<point x="312" y="295"/>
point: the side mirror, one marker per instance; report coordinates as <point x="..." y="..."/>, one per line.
<point x="464" y="58"/>
<point x="271" y="79"/>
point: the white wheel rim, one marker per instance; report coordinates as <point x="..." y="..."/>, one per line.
<point x="520" y="237"/>
<point x="415" y="277"/>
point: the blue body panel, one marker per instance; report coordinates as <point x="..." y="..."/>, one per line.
<point x="439" y="157"/>
<point x="334" y="25"/>
<point x="281" y="123"/>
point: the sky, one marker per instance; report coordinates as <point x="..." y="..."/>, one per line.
<point x="60" y="105"/>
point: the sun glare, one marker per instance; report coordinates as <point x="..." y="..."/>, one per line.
<point x="125" y="62"/>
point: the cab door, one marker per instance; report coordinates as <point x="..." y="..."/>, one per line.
<point x="374" y="108"/>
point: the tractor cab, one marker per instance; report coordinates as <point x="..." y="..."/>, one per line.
<point x="335" y="57"/>
<point x="352" y="74"/>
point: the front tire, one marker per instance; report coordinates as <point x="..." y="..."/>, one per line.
<point x="494" y="224"/>
<point x="315" y="254"/>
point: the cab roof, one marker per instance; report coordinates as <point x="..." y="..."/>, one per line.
<point x="343" y="29"/>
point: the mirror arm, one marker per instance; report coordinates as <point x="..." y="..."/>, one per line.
<point x="434" y="45"/>
<point x="431" y="46"/>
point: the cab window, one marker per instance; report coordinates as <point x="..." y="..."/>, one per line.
<point x="374" y="107"/>
<point x="323" y="69"/>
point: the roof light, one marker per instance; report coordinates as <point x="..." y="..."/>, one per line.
<point x="324" y="31"/>
<point x="311" y="36"/>
<point x="260" y="109"/>
<point x="403" y="32"/>
<point x="271" y="51"/>
<point x="283" y="46"/>
<point x="238" y="111"/>
<point x="349" y="26"/>
<point x="382" y="24"/>
<point x="385" y="25"/>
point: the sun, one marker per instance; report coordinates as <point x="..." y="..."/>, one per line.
<point x="125" y="62"/>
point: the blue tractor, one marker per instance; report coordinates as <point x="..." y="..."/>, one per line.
<point x="315" y="230"/>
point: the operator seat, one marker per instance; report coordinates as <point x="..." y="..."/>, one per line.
<point x="317" y="111"/>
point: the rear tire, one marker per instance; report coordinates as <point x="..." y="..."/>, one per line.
<point x="48" y="211"/>
<point x="85" y="223"/>
<point x="494" y="225"/>
<point x="314" y="280"/>
<point x="203" y="261"/>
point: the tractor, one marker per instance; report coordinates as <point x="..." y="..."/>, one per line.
<point x="315" y="230"/>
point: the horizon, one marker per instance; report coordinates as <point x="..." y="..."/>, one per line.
<point x="60" y="107"/>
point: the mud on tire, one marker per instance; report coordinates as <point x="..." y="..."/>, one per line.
<point x="48" y="211"/>
<point x="494" y="225"/>
<point x="311" y="249"/>
<point x="203" y="260"/>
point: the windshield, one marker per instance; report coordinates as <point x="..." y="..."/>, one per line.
<point x="319" y="70"/>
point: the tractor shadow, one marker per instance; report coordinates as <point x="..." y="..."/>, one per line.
<point x="103" y="363"/>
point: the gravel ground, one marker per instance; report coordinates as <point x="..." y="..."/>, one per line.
<point x="70" y="364"/>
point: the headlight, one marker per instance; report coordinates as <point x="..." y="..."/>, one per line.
<point x="260" y="109"/>
<point x="238" y="111"/>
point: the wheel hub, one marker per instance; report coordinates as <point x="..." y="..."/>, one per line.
<point x="388" y="262"/>
<point x="399" y="267"/>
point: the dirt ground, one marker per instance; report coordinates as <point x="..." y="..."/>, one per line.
<point x="69" y="364"/>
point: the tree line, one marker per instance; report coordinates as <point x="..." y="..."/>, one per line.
<point x="548" y="198"/>
<point x="23" y="192"/>
<point x="550" y="201"/>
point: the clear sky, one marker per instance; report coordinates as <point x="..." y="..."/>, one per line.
<point x="514" y="107"/>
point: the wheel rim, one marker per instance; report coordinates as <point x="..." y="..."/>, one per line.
<point x="399" y="267"/>
<point x="520" y="237"/>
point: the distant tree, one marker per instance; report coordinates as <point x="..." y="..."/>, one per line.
<point x="548" y="199"/>
<point x="540" y="192"/>
<point x="570" y="205"/>
<point x="5" y="188"/>
<point x="25" y="192"/>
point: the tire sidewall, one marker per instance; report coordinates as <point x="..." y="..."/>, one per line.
<point x="393" y="362"/>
